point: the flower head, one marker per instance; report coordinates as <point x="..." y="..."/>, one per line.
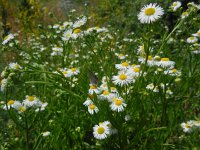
<point x="150" y="13"/>
<point x="175" y="5"/>
<point x="117" y="104"/>
<point x="122" y="78"/>
<point x="7" y="38"/>
<point x="14" y="66"/>
<point x="101" y="131"/>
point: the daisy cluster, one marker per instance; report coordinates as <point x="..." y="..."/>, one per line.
<point x="60" y="36"/>
<point x="193" y="40"/>
<point x="28" y="102"/>
<point x="104" y="93"/>
<point x="190" y="126"/>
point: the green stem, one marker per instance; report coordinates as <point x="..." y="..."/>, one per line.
<point x="27" y="132"/>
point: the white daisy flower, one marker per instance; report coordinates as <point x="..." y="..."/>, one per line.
<point x="165" y="62"/>
<point x="66" y="72"/>
<point x="184" y="14"/>
<point x="7" y="38"/>
<point x="15" y="66"/>
<point x="11" y="104"/>
<point x="20" y="107"/>
<point x="173" y="72"/>
<point x="150" y="13"/>
<point x="117" y="104"/>
<point x="134" y="70"/>
<point x="150" y="61"/>
<point x="175" y="5"/>
<point x="122" y="66"/>
<point x="101" y="131"/>
<point x="122" y="78"/>
<point x="121" y="56"/>
<point x="94" y="89"/>
<point x="188" y="127"/>
<point x="67" y="35"/>
<point x="192" y="39"/>
<point x="74" y="71"/>
<point x="105" y="95"/>
<point x="92" y="108"/>
<point x="32" y="101"/>
<point x="88" y="102"/>
<point x="80" y="22"/>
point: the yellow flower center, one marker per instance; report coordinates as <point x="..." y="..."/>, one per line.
<point x="150" y="11"/>
<point x="175" y="4"/>
<point x="93" y="87"/>
<point x="120" y="55"/>
<point x="118" y="102"/>
<point x="174" y="70"/>
<point x="124" y="64"/>
<point x="100" y="130"/>
<point x="113" y="88"/>
<point x="187" y="125"/>
<point x="92" y="106"/>
<point x="65" y="72"/>
<point x="10" y="102"/>
<point x="77" y="31"/>
<point x="157" y="58"/>
<point x="16" y="66"/>
<point x="73" y="69"/>
<point x="31" y="98"/>
<point x="22" y="109"/>
<point x="164" y="59"/>
<point x="191" y="38"/>
<point x="122" y="77"/>
<point x="136" y="69"/>
<point x="105" y="92"/>
<point x="149" y="57"/>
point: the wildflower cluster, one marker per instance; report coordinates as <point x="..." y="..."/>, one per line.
<point x="28" y="102"/>
<point x="88" y="74"/>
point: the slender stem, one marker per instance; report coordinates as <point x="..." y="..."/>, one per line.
<point x="27" y="132"/>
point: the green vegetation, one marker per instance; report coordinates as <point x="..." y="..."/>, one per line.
<point x="108" y="75"/>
